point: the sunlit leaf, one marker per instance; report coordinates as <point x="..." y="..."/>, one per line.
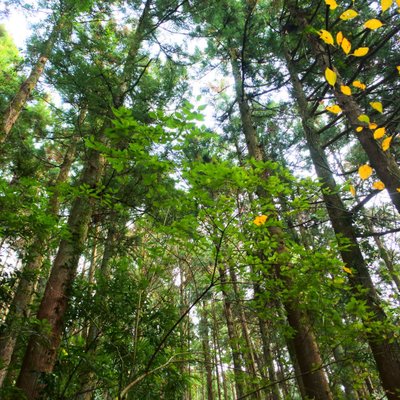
<point x="372" y="125"/>
<point x="365" y="171"/>
<point x="398" y="67"/>
<point x="345" y="90"/>
<point x="359" y="128"/>
<point x="352" y="190"/>
<point x="373" y="24"/>
<point x="347" y="270"/>
<point x="348" y="14"/>
<point x="386" y="143"/>
<point x="361" y="52"/>
<point x="331" y="3"/>
<point x="363" y="118"/>
<point x="335" y="109"/>
<point x="378" y="185"/>
<point x="339" y="38"/>
<point x="376" y="105"/>
<point x="386" y="4"/>
<point x="359" y="85"/>
<point x="326" y="36"/>
<point x="379" y="133"/>
<point x="260" y="220"/>
<point x="330" y="76"/>
<point x="346" y="46"/>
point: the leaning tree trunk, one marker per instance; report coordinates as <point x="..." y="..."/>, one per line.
<point x="305" y="345"/>
<point x="19" y="307"/>
<point x="21" y="97"/>
<point x="385" y="348"/>
<point x="383" y="162"/>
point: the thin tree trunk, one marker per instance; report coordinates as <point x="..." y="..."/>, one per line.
<point x="19" y="307"/>
<point x="205" y="341"/>
<point x="306" y="348"/>
<point x="232" y="334"/>
<point x="385" y="350"/>
<point x="18" y="102"/>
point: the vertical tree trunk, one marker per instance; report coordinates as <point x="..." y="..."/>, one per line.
<point x="17" y="104"/>
<point x="23" y="295"/>
<point x="306" y="348"/>
<point x="205" y="341"/>
<point x="232" y="334"/>
<point x="385" y="350"/>
<point x="42" y="348"/>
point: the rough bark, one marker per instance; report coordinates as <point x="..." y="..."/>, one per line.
<point x="306" y="348"/>
<point x="386" y="350"/>
<point x="42" y="348"/>
<point x="205" y="341"/>
<point x="19" y="307"/>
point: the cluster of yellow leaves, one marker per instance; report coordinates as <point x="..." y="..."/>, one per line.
<point x="260" y="220"/>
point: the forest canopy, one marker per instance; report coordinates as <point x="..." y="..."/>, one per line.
<point x="199" y="200"/>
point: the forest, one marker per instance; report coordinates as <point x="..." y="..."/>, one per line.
<point x="199" y="200"/>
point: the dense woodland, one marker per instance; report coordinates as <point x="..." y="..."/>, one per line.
<point x="199" y="200"/>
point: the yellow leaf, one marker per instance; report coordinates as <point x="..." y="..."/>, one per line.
<point x="326" y="36"/>
<point x="361" y="52"/>
<point x="372" y="125"/>
<point x="379" y="185"/>
<point x="345" y="90"/>
<point x="373" y="24"/>
<point x="386" y="4"/>
<point x="349" y="14"/>
<point x="398" y="189"/>
<point x="379" y="133"/>
<point x="348" y="270"/>
<point x="386" y="143"/>
<point x="363" y="118"/>
<point x="365" y="171"/>
<point x="359" y="85"/>
<point x="346" y="45"/>
<point x="398" y="3"/>
<point x="376" y="105"/>
<point x="352" y="190"/>
<point x="331" y="3"/>
<point x="335" y="109"/>
<point x="398" y="67"/>
<point x="339" y="38"/>
<point x="330" y="76"/>
<point x="359" y="129"/>
<point x="260" y="220"/>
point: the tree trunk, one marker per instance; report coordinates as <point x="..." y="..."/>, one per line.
<point x="233" y="336"/>
<point x="205" y="341"/>
<point x="306" y="348"/>
<point x="17" y="104"/>
<point x="385" y="350"/>
<point x="383" y="162"/>
<point x="42" y="348"/>
<point x="23" y="295"/>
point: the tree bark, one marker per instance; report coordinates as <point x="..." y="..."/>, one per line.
<point x="205" y="341"/>
<point x="42" y="348"/>
<point x="17" y="104"/>
<point x="19" y="307"/>
<point x="386" y="350"/>
<point x="306" y="348"/>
